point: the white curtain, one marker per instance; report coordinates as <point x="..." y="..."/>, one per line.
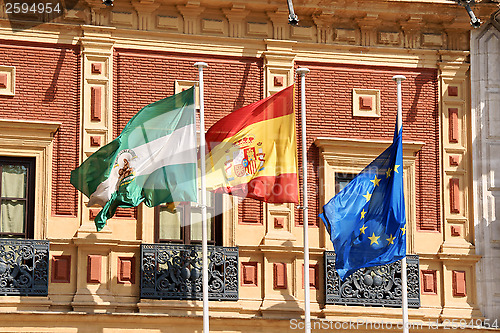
<point x="170" y="224"/>
<point x="12" y="215"/>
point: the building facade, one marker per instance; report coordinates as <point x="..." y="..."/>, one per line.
<point x="484" y="105"/>
<point x="69" y="83"/>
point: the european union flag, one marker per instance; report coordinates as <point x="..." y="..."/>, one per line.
<point x="366" y="219"/>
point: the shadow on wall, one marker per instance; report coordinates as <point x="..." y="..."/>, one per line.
<point x="51" y="91"/>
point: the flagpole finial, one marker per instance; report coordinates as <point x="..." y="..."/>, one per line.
<point x="399" y="78"/>
<point x="200" y="64"/>
<point x="302" y="71"/>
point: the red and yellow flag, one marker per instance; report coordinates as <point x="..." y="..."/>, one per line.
<point x="253" y="151"/>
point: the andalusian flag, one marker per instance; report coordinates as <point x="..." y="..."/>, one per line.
<point x="153" y="160"/>
<point x="253" y="152"/>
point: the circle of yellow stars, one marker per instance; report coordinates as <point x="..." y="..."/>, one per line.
<point x="374" y="239"/>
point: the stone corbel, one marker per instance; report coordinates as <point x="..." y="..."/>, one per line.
<point x="368" y="26"/>
<point x="191" y="13"/>
<point x="324" y="24"/>
<point x="411" y="31"/>
<point x="236" y="16"/>
<point x="281" y="29"/>
<point x="99" y="12"/>
<point x="144" y="9"/>
<point x="457" y="39"/>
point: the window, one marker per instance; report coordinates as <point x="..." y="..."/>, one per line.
<point x="342" y="179"/>
<point x="342" y="159"/>
<point x="182" y="224"/>
<point x="17" y="179"/>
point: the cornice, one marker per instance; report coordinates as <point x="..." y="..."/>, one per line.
<point x="28" y="129"/>
<point x="332" y="145"/>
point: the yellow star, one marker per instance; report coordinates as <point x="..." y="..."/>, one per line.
<point x="367" y="196"/>
<point x="375" y="181"/>
<point x="362" y="229"/>
<point x="391" y="239"/>
<point x="374" y="239"/>
<point x="362" y="214"/>
<point x="396" y="168"/>
<point x="403" y="229"/>
<point x="388" y="173"/>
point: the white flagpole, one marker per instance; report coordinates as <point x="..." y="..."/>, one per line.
<point x="204" y="246"/>
<point x="307" y="298"/>
<point x="404" y="301"/>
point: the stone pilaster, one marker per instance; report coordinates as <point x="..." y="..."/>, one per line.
<point x="457" y="252"/>
<point x="96" y="106"/>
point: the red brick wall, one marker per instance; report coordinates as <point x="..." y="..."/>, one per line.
<point x="141" y="78"/>
<point x="48" y="89"/>
<point x="329" y="113"/>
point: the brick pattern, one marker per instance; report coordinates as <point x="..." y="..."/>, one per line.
<point x="55" y="98"/>
<point x="250" y="212"/>
<point x="329" y="105"/>
<point x="229" y="85"/>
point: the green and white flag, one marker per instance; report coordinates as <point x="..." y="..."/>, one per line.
<point x="153" y="160"/>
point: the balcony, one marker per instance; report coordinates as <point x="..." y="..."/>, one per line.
<point x="175" y="272"/>
<point x="373" y="286"/>
<point x="24" y="267"/>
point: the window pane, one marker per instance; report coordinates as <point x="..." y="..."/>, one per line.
<point x="13" y="181"/>
<point x="12" y="216"/>
<point x="341" y="180"/>
<point x="196" y="225"/>
<point x="170" y="224"/>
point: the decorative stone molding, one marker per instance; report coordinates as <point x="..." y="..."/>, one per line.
<point x="61" y="269"/>
<point x="7" y="80"/>
<point x="366" y="103"/>
<point x="249" y="271"/>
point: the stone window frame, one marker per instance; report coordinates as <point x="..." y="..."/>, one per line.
<point x="23" y="138"/>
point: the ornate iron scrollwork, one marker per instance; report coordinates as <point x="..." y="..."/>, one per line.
<point x="24" y="267"/>
<point x="373" y="286"/>
<point x="175" y="272"/>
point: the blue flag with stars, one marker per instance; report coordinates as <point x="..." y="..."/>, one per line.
<point x="366" y="219"/>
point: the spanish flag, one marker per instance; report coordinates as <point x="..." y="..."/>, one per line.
<point x="253" y="151"/>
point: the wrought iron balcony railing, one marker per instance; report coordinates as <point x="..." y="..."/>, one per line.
<point x="373" y="286"/>
<point x="24" y="267"/>
<point x="175" y="272"/>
